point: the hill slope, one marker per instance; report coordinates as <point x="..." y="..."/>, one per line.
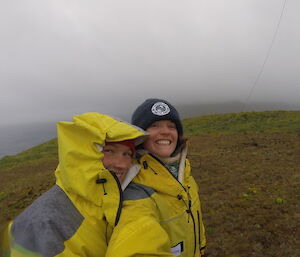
<point x="244" y="123"/>
<point x="247" y="168"/>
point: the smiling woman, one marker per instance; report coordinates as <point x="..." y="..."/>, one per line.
<point x="163" y="198"/>
<point x="86" y="201"/>
<point x="163" y="138"/>
<point x="118" y="157"/>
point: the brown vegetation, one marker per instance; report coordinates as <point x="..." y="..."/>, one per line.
<point x="250" y="191"/>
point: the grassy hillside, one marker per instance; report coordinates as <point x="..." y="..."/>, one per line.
<point x="25" y="176"/>
<point x="247" y="167"/>
<point x="33" y="156"/>
<point x="244" y="123"/>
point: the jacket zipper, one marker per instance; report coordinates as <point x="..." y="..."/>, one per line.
<point x="199" y="232"/>
<point x="189" y="211"/>
<point x="194" y="223"/>
<point x="121" y="198"/>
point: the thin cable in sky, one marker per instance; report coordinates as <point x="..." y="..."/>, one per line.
<point x="266" y="58"/>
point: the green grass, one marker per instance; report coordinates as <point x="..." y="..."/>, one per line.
<point x="244" y="123"/>
<point x="32" y="156"/>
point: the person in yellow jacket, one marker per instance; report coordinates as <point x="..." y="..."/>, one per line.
<point x="162" y="201"/>
<point x="77" y="215"/>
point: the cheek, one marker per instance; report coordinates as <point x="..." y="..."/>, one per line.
<point x="129" y="164"/>
<point x="106" y="161"/>
<point x="148" y="142"/>
<point x="175" y="136"/>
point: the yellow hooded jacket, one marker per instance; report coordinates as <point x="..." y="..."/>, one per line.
<point x="77" y="215"/>
<point x="158" y="206"/>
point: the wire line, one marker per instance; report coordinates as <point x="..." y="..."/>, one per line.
<point x="266" y="58"/>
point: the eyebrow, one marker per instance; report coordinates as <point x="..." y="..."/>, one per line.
<point x="115" y="146"/>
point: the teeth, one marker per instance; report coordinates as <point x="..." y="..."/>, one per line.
<point x="118" y="174"/>
<point x="163" y="142"/>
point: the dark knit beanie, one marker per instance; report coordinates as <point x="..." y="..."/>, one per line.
<point x="154" y="110"/>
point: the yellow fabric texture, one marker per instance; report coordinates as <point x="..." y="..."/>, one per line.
<point x="79" y="167"/>
<point x="153" y="225"/>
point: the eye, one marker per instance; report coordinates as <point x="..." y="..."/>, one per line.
<point x="153" y="125"/>
<point x="171" y="125"/>
<point x="128" y="154"/>
<point x="109" y="151"/>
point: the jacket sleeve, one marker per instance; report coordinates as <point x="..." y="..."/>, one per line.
<point x="4" y="240"/>
<point x="8" y="248"/>
<point x="139" y="234"/>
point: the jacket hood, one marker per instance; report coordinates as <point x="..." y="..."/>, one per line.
<point x="80" y="160"/>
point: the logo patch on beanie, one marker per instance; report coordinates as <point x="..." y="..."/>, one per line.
<point x="160" y="109"/>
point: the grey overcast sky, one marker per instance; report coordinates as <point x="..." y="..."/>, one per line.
<point x="63" y="57"/>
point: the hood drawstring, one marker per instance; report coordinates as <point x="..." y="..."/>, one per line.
<point x="188" y="206"/>
<point x="102" y="181"/>
<point x="188" y="203"/>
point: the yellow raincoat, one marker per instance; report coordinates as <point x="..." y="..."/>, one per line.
<point x="77" y="215"/>
<point x="158" y="207"/>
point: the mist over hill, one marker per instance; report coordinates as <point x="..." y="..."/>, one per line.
<point x="193" y="110"/>
<point x="14" y="139"/>
<point x="17" y="138"/>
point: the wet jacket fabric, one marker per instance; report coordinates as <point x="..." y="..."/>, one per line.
<point x="161" y="215"/>
<point x="77" y="215"/>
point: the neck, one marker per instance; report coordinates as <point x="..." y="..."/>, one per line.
<point x="170" y="159"/>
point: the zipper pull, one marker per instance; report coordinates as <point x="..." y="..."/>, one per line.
<point x="179" y="197"/>
<point x="102" y="181"/>
<point x="187" y="205"/>
<point x="189" y="213"/>
<point x="145" y="165"/>
<point x="189" y="210"/>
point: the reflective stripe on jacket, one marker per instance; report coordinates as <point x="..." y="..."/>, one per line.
<point x="77" y="215"/>
<point x="160" y="216"/>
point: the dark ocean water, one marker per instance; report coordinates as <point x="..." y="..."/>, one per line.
<point x="17" y="138"/>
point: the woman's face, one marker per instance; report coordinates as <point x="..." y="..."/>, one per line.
<point x="163" y="138"/>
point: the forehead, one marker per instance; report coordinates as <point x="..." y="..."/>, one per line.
<point x="118" y="147"/>
<point x="163" y="122"/>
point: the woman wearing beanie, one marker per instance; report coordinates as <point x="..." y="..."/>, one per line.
<point x="161" y="213"/>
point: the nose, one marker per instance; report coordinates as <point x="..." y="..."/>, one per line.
<point x="164" y="130"/>
<point x="120" y="162"/>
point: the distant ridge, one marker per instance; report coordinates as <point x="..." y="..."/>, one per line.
<point x="194" y="110"/>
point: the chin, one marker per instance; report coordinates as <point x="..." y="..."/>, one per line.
<point x="164" y="154"/>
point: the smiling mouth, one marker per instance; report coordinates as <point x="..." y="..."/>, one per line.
<point x="163" y="142"/>
<point x="117" y="173"/>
